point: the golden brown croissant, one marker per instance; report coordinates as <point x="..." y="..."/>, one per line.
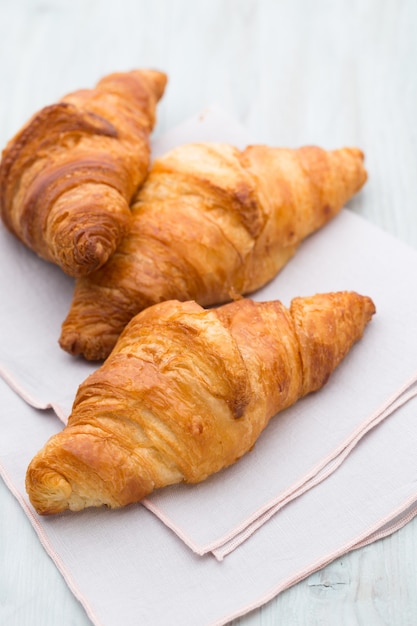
<point x="186" y="392"/>
<point x="67" y="178"/>
<point x="209" y="224"/>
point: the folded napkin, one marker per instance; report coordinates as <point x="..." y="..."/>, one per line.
<point x="303" y="445"/>
<point x="239" y="535"/>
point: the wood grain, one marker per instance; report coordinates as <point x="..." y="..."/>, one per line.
<point x="375" y="585"/>
<point x="293" y="72"/>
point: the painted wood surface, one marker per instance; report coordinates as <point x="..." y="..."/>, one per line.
<point x="293" y="72"/>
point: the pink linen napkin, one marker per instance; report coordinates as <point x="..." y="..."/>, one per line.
<point x="302" y="446"/>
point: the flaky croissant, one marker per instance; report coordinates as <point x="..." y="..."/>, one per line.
<point x="186" y="392"/>
<point x="67" y="178"/>
<point x="210" y="223"/>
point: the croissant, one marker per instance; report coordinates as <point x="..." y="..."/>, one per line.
<point x="210" y="223"/>
<point x="186" y="392"/>
<point x="67" y="178"/>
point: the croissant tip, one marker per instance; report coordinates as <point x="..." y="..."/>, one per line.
<point x="358" y="172"/>
<point x="92" y="349"/>
<point x="369" y="305"/>
<point x="69" y="342"/>
<point x="156" y="78"/>
<point x="48" y="491"/>
<point x="356" y="152"/>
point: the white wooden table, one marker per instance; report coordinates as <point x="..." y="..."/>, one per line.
<point x="293" y="72"/>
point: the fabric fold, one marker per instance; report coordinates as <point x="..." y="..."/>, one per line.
<point x="328" y="466"/>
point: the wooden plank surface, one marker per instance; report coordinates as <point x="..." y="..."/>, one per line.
<point x="292" y="72"/>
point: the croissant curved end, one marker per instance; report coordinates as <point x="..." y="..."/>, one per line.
<point x="157" y="79"/>
<point x="49" y="492"/>
<point x="369" y="307"/>
<point x="77" y="264"/>
<point x="92" y="250"/>
<point x="82" y="248"/>
<point x="86" y="344"/>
